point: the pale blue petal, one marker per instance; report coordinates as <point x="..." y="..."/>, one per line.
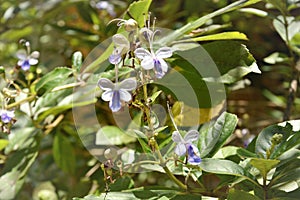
<point x="121" y="41"/>
<point x="115" y="58"/>
<point x="191" y="136"/>
<point x="106" y="84"/>
<point x="21" y="54"/>
<point x="193" y="155"/>
<point x="164" y="52"/>
<point x="124" y="95"/>
<point x="147" y="63"/>
<point x="180" y="149"/>
<point x="164" y="65"/>
<point x="33" y="61"/>
<point x="128" y="84"/>
<point x="115" y="103"/>
<point x="176" y="137"/>
<point x="107" y="95"/>
<point x="141" y="53"/>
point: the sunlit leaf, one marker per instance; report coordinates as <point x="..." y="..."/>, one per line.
<point x="111" y="135"/>
<point x="264" y="165"/>
<point x="218" y="166"/>
<point x="235" y="194"/>
<point x="52" y="79"/>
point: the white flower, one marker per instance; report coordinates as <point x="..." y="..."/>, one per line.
<point x="117" y="92"/>
<point x="154" y="60"/>
<point x="121" y="47"/>
<point x="25" y="60"/>
<point x="185" y="146"/>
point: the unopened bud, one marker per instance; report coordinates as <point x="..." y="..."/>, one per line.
<point x="130" y="25"/>
<point x="111" y="154"/>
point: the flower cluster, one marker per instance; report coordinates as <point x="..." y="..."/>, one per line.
<point x="137" y="45"/>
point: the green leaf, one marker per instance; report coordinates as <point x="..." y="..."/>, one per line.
<point x="263" y="145"/>
<point x="155" y="95"/>
<point x="112" y="135"/>
<point x="234" y="35"/>
<point x="232" y="59"/>
<point x="213" y="137"/>
<point x="218" y="166"/>
<point x="63" y="153"/>
<point x="52" y="79"/>
<point x="3" y="144"/>
<point x="293" y="27"/>
<point x="264" y="165"/>
<point x="201" y="21"/>
<point x="122" y="183"/>
<point x="138" y="9"/>
<point x="235" y="194"/>
<point x="8" y="182"/>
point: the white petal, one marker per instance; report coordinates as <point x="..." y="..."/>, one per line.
<point x="147" y="63"/>
<point x="35" y="54"/>
<point x="180" y="149"/>
<point x="128" y="84"/>
<point x="164" y="52"/>
<point x="107" y="95"/>
<point x="141" y="53"/>
<point x="33" y="61"/>
<point x="106" y="84"/>
<point x="176" y="137"/>
<point x="163" y="65"/>
<point x="125" y="96"/>
<point x="20" y="62"/>
<point x="21" y="54"/>
<point x="191" y="136"/>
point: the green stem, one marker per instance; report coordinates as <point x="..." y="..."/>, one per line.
<point x="161" y="159"/>
<point x="174" y="179"/>
<point x="27" y="99"/>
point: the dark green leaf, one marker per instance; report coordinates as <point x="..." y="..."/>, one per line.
<point x="63" y="153"/>
<point x="215" y="134"/>
<point x="138" y="9"/>
<point x="238" y="194"/>
<point x="122" y="183"/>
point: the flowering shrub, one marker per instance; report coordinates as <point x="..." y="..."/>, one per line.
<point x="147" y="100"/>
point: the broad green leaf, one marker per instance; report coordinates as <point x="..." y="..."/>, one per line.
<point x="218" y="166"/>
<point x="234" y="35"/>
<point x="138" y="10"/>
<point x="3" y="143"/>
<point x="263" y="145"/>
<point x="244" y="153"/>
<point x="63" y="153"/>
<point x="215" y="134"/>
<point x="122" y="183"/>
<point x="264" y="165"/>
<point x="225" y="54"/>
<point x="235" y="194"/>
<point x="8" y="182"/>
<point x="293" y="27"/>
<point x="177" y="34"/>
<point x="52" y="79"/>
<point x="226" y="152"/>
<point x="229" y="122"/>
<point x="112" y="135"/>
<point x="111" y="74"/>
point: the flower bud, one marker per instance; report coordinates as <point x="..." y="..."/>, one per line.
<point x="111" y="154"/>
<point x="130" y="25"/>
